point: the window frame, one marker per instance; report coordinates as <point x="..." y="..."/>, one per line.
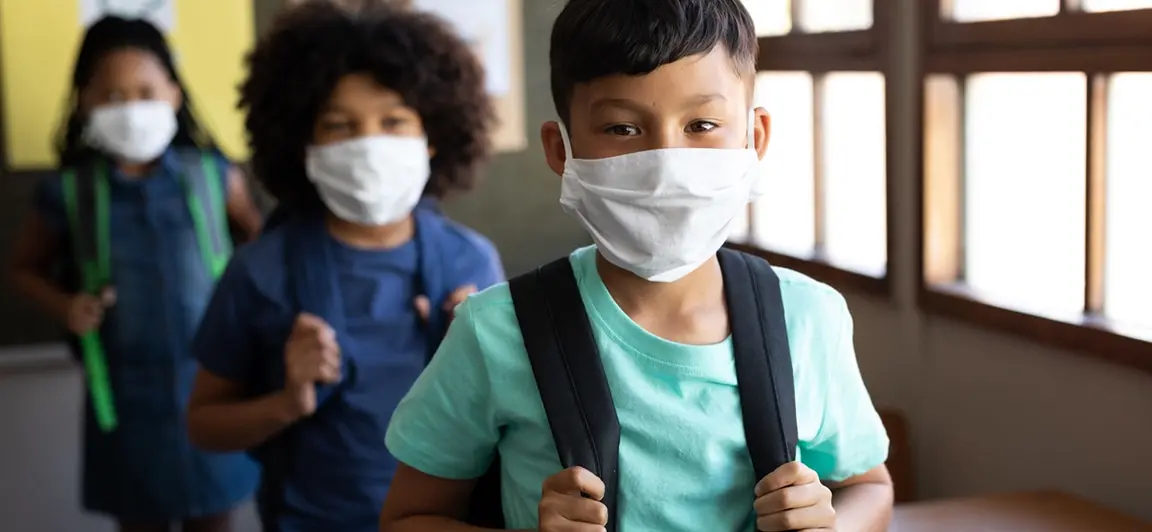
<point x="1097" y="44"/>
<point x="818" y="54"/>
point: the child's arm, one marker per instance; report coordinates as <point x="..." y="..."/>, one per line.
<point x="223" y="412"/>
<point x="444" y="433"/>
<point x="242" y="210"/>
<point x="37" y="245"/>
<point x="863" y="502"/>
<point x="222" y="417"/>
<point x="848" y="452"/>
<point x="427" y="503"/>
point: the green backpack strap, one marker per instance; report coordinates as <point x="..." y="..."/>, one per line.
<point x="86" y="200"/>
<point x="203" y="186"/>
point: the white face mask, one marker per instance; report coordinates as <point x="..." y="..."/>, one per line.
<point x="371" y="180"/>
<point x="661" y="213"/>
<point x="137" y="131"/>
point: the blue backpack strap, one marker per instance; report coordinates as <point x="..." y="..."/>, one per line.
<point x="276" y="218"/>
<point x="435" y="276"/>
<point x="763" y="359"/>
<point x="313" y="289"/>
<point x="569" y="374"/>
<point x="429" y="203"/>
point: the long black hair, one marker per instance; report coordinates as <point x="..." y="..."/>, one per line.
<point x="111" y="34"/>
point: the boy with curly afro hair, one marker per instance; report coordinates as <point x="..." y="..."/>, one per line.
<point x="359" y="120"/>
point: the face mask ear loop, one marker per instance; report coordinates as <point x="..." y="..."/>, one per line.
<point x="567" y="142"/>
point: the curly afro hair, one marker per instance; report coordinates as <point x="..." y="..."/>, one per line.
<point x="310" y="47"/>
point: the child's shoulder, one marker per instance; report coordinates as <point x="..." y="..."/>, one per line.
<point x="260" y="263"/>
<point x="493" y="304"/>
<point x="457" y="236"/>
<point x="806" y="298"/>
<point x="196" y="153"/>
<point x="48" y="196"/>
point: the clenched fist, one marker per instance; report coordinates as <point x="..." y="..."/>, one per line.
<point x="792" y="498"/>
<point x="311" y="357"/>
<point x="571" y="502"/>
<point x="86" y="311"/>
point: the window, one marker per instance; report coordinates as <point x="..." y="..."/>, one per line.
<point x="821" y="81"/>
<point x="1038" y="170"/>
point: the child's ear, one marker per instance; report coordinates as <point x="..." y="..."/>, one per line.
<point x="763" y="123"/>
<point x="176" y="97"/>
<point x="553" y="143"/>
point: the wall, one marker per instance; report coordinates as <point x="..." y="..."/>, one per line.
<point x="988" y="412"/>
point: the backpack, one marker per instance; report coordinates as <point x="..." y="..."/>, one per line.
<point x="577" y="399"/>
<point x="87" y="203"/>
<point x="311" y="288"/>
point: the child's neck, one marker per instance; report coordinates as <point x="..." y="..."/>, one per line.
<point x="690" y="310"/>
<point x="134" y="170"/>
<point x="378" y="237"/>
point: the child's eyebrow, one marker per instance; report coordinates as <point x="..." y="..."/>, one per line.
<point x="620" y="103"/>
<point x="693" y="101"/>
<point x="701" y="99"/>
<point x="383" y="106"/>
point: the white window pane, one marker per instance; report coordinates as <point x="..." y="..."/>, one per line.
<point x="855" y="170"/>
<point x="784" y="218"/>
<point x="1114" y="5"/>
<point x="976" y="10"/>
<point x="1128" y="260"/>
<point x="771" y="17"/>
<point x="835" y="15"/>
<point x="1024" y="190"/>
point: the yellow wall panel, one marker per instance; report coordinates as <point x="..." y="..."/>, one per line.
<point x="38" y="44"/>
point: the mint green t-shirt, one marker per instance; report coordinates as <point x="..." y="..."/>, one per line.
<point x="684" y="464"/>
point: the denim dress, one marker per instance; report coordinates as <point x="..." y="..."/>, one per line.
<point x="146" y="469"/>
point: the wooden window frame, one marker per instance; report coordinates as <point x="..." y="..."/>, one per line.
<point x="818" y="54"/>
<point x="1096" y="44"/>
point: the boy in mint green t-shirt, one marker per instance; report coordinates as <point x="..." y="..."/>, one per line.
<point x="658" y="152"/>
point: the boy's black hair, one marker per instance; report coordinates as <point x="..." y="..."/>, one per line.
<point x="296" y="66"/>
<point x="111" y="34"/>
<point x="593" y="39"/>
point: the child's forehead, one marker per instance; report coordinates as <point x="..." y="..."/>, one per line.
<point x="127" y="63"/>
<point x="698" y="80"/>
<point x="362" y="88"/>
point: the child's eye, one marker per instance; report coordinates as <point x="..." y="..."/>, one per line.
<point x="335" y="126"/>
<point x="393" y="122"/>
<point x="701" y="127"/>
<point x="622" y="130"/>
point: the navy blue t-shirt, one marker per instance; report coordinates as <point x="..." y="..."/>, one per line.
<point x="340" y="469"/>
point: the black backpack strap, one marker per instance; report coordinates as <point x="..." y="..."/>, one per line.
<point x="763" y="359"/>
<point x="569" y="373"/>
<point x="81" y="186"/>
